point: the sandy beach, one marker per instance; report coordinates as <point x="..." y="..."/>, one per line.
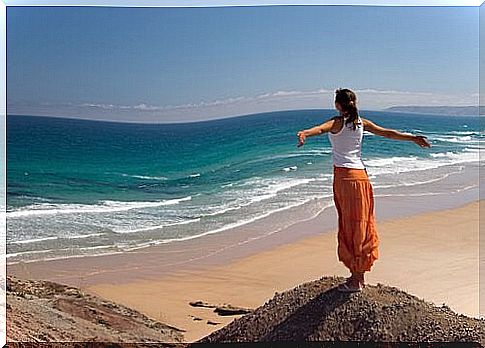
<point x="433" y="255"/>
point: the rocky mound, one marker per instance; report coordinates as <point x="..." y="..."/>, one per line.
<point x="316" y="311"/>
<point x="43" y="311"/>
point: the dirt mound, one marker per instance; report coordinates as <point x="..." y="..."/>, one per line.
<point x="317" y="311"/>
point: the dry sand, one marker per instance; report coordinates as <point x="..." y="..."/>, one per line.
<point x="432" y="255"/>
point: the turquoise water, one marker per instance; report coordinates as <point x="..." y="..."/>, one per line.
<point x="77" y="187"/>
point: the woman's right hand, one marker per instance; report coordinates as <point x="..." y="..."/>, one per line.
<point x="301" y="138"/>
<point x="421" y="141"/>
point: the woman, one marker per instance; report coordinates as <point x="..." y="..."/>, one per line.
<point x="352" y="191"/>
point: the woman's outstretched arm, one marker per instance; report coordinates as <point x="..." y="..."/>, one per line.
<point x="394" y="134"/>
<point x="317" y="130"/>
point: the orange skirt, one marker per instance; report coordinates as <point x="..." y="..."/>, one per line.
<point x="357" y="237"/>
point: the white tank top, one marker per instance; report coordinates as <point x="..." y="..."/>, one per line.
<point x="346" y="145"/>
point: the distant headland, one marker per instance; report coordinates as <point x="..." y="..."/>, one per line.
<point x="441" y="110"/>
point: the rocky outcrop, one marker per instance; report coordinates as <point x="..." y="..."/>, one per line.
<point x="43" y="311"/>
<point x="224" y="309"/>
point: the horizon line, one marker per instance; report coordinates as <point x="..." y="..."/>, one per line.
<point x="252" y="114"/>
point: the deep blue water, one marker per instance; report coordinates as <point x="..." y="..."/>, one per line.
<point x="78" y="186"/>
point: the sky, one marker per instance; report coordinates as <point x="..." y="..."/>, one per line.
<point x="160" y="64"/>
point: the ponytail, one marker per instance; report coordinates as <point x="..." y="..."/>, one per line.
<point x="348" y="100"/>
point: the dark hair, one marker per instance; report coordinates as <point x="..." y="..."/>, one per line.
<point x="348" y="100"/>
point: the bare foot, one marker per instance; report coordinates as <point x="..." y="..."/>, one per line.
<point x="358" y="277"/>
<point x="351" y="285"/>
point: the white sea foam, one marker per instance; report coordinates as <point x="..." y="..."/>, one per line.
<point x="298" y="153"/>
<point x="103" y="207"/>
<point x="266" y="188"/>
<point x="234" y="224"/>
<point x="156" y="227"/>
<point x="466" y="139"/>
<point x="85" y="236"/>
<point x="33" y="240"/>
<point x="418" y="194"/>
<point x="263" y="189"/>
<point x="33" y="252"/>
<point x="36" y="240"/>
<point x="139" y="176"/>
<point x="415" y="183"/>
<point x="401" y="164"/>
<point x="466" y="132"/>
<point x="149" y="177"/>
<point x="120" y="248"/>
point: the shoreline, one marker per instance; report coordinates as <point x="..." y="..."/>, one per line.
<point x="453" y="179"/>
<point x="237" y="242"/>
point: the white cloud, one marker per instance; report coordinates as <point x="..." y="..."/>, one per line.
<point x="368" y="99"/>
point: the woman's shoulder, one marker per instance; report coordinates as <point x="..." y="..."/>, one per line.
<point x="337" y="118"/>
<point x="363" y="120"/>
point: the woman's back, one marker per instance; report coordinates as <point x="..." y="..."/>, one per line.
<point x="346" y="145"/>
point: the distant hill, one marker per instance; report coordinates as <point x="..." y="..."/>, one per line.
<point x="317" y="311"/>
<point x="441" y="110"/>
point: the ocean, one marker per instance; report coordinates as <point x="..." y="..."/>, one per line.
<point x="78" y="187"/>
